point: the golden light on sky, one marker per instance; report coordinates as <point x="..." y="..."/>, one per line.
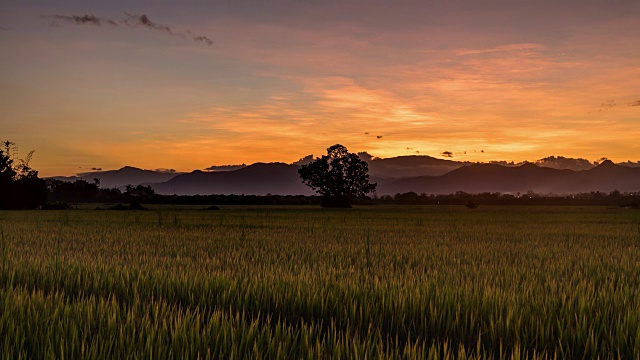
<point x="190" y="85"/>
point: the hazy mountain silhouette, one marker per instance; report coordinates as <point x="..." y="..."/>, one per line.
<point x="283" y="179"/>
<point x="480" y="178"/>
<point x="419" y="173"/>
<point x="423" y="165"/>
<point x="413" y="165"/>
<point x="127" y="175"/>
<point x="255" y="179"/>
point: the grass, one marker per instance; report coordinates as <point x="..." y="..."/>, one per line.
<point x="301" y="282"/>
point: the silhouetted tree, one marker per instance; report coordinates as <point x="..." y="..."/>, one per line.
<point x="77" y="191"/>
<point x="145" y="190"/>
<point x="20" y="187"/>
<point x="339" y="177"/>
<point x="7" y="175"/>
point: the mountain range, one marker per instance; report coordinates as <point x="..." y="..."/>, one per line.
<point x="420" y="174"/>
<point x="120" y="178"/>
<point x="479" y="178"/>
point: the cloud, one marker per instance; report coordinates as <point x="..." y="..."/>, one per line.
<point x="506" y="163"/>
<point x="131" y="20"/>
<point x="518" y="48"/>
<point x="200" y="38"/>
<point x="2" y="28"/>
<point x="447" y="154"/>
<point x="204" y="39"/>
<point x="81" y="20"/>
<point x="561" y="162"/>
<point x="303" y="161"/>
<point x="365" y="156"/>
<point x="143" y="20"/>
<point x="225" y="167"/>
<point x="608" y="104"/>
<point x="630" y="163"/>
<point x="96" y="169"/>
<point x="635" y="103"/>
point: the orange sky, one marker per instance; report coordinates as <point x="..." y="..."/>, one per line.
<point x="283" y="79"/>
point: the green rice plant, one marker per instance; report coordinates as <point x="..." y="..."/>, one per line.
<point x="301" y="282"/>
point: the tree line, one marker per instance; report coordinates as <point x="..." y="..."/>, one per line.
<point x="64" y="192"/>
<point x="340" y="179"/>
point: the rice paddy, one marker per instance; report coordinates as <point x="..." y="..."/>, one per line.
<point x="307" y="283"/>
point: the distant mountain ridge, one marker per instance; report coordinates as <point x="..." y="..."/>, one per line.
<point x="479" y="178"/>
<point x="283" y="179"/>
<point x="124" y="176"/>
<point x="420" y="174"/>
<point x="412" y="165"/>
<point x="255" y="179"/>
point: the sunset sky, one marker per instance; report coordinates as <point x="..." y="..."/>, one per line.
<point x="190" y="84"/>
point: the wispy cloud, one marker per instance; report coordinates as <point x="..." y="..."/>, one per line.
<point x="518" y="48"/>
<point x="81" y="20"/>
<point x="608" y="104"/>
<point x="131" y="20"/>
<point x="295" y="84"/>
<point x="200" y="38"/>
<point x="143" y="21"/>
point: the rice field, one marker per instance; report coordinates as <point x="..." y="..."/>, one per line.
<point x="307" y="283"/>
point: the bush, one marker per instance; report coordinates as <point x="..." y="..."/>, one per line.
<point x="134" y="205"/>
<point x="630" y="206"/>
<point x="57" y="205"/>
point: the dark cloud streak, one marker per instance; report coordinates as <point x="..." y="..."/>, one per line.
<point x="82" y="20"/>
<point x="132" y="20"/>
<point x="143" y="20"/>
<point x="635" y="103"/>
<point x="204" y="39"/>
<point x="200" y="38"/>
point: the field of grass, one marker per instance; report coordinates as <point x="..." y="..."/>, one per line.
<point x="302" y="282"/>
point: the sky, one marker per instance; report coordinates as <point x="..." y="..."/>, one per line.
<point x="190" y="84"/>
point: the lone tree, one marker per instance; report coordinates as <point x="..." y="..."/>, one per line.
<point x="339" y="177"/>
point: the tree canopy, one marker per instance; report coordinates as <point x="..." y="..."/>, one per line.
<point x="339" y="176"/>
<point x="20" y="187"/>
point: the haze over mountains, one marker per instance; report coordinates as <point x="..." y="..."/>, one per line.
<point x="420" y="174"/>
<point x="479" y="178"/>
<point x="127" y="175"/>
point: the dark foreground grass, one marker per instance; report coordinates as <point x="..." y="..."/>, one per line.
<point x="296" y="282"/>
